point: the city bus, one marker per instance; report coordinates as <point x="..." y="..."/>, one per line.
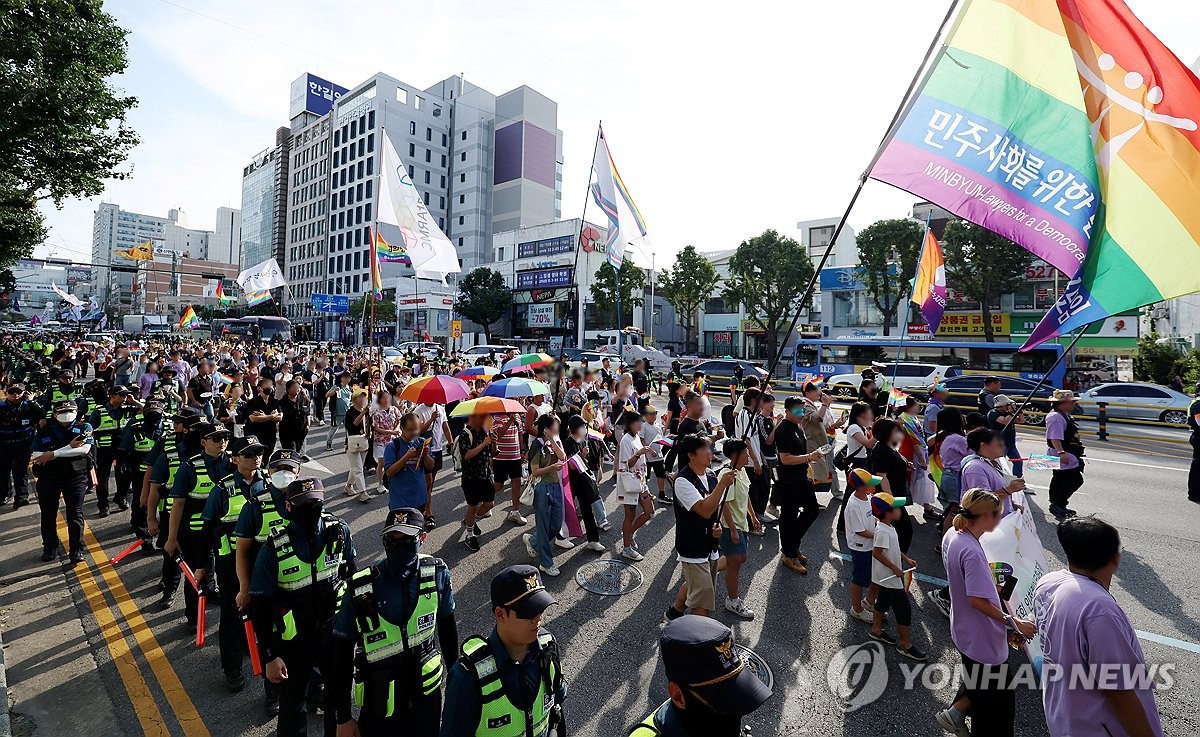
<point x="254" y="328"/>
<point x="833" y="356"/>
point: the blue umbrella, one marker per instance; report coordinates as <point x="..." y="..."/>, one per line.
<point x="516" y="387"/>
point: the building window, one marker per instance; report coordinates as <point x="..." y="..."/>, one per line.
<point x="356" y="283"/>
<point x="357" y="259"/>
<point x="463" y="156"/>
<point x="412" y="127"/>
<point x="464" y="135"/>
<point x="339" y="263"/>
<point x="443" y="159"/>
<point x="462" y="199"/>
<point x="428" y="134"/>
<point x="428" y="156"/>
<point x="442" y="204"/>
<point x="425" y="197"/>
<point x="369" y="183"/>
<point x="418" y="101"/>
<point x="462" y="220"/>
<point x="442" y="224"/>
<point x="411" y="170"/>
<point x="371" y="142"/>
<point x="412" y="149"/>
<point x="337" y="138"/>
<point x="367" y="212"/>
<point x="370" y="166"/>
<point x="427" y="178"/>
<point x="460" y="242"/>
<point x="443" y="178"/>
<point x="462" y="178"/>
<point x="371" y="120"/>
<point x="443" y="139"/>
<point x="353" y="128"/>
<point x="716" y="306"/>
<point x="402" y="95"/>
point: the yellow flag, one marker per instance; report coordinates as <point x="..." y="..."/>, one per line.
<point x="142" y="252"/>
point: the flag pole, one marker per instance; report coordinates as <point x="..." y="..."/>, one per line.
<point x="1047" y="372"/>
<point x="579" y="243"/>
<point x="906" y="102"/>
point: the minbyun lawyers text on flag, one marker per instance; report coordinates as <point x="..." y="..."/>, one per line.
<point x="262" y="277"/>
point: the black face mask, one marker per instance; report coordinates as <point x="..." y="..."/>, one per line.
<point x="152" y="419"/>
<point x="700" y="719"/>
<point x="401" y="554"/>
<point x="306" y="516"/>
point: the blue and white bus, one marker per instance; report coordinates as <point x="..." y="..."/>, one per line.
<point x="832" y="356"/>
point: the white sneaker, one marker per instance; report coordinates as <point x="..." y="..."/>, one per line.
<point x="597" y="546"/>
<point x="564" y="543"/>
<point x="363" y="497"/>
<point x="631" y="554"/>
<point x="739" y="608"/>
<point x="863" y="615"/>
<point x="515" y="517"/>
<point x="527" y="538"/>
<point x="350" y="491"/>
<point x="946" y="722"/>
<point x="551" y="571"/>
<point x="772" y="512"/>
<point x="381" y="490"/>
<point x="605" y="525"/>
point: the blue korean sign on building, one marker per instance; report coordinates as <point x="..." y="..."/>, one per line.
<point x="546" y="246"/>
<point x="545" y="278"/>
<point x="320" y="94"/>
<point x="338" y="304"/>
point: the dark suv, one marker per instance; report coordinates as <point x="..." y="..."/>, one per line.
<point x="964" y="394"/>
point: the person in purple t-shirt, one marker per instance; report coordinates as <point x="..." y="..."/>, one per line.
<point x="1085" y="630"/>
<point x="977" y="624"/>
<point x="983" y="471"/>
<point x="1062" y="437"/>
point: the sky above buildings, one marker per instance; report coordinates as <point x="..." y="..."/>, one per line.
<point x="725" y="120"/>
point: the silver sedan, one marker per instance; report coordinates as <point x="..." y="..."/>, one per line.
<point x="1137" y="401"/>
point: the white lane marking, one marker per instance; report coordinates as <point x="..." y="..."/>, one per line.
<point x="317" y="466"/>
<point x="1139" y="465"/>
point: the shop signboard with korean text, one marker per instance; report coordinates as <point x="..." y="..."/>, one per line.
<point x="964" y="324"/>
<point x="545" y="278"/>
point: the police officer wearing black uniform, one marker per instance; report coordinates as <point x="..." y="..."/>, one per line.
<point x="137" y="440"/>
<point x="509" y="684"/>
<point x="62" y="467"/>
<point x="63" y="390"/>
<point x="108" y="423"/>
<point x="194" y="481"/>
<point x="400" y="615"/>
<point x="260" y="517"/>
<point x="19" y="419"/>
<point x="163" y="461"/>
<point x="709" y="685"/>
<point x="295" y="590"/>
<point x="221" y="511"/>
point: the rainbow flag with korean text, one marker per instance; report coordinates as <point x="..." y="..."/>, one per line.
<point x="391" y="253"/>
<point x="1069" y="128"/>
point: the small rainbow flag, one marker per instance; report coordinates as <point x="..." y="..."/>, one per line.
<point x="389" y="253"/>
<point x="667" y="442"/>
<point x="376" y="274"/>
<point x="936" y="469"/>
<point x="188" y="319"/>
<point x="257" y="298"/>
<point x="221" y="294"/>
<point x="817" y="381"/>
<point x="897" y="398"/>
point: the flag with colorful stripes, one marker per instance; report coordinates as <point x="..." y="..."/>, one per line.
<point x="376" y="273"/>
<point x="188" y="320"/>
<point x="256" y="298"/>
<point x="612" y="196"/>
<point x="221" y="293"/>
<point x="896" y="397"/>
<point x="389" y="253"/>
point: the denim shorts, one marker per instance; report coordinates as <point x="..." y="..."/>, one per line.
<point x="729" y="548"/>
<point x="948" y="492"/>
<point x="860" y="575"/>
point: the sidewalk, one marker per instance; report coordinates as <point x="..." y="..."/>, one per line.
<point x="55" y="659"/>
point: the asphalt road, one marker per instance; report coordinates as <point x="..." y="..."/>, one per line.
<point x="87" y="650"/>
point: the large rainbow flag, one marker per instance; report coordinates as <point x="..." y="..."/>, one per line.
<point x="391" y="253"/>
<point x="612" y="196"/>
<point x="1069" y="128"/>
<point x="188" y="320"/>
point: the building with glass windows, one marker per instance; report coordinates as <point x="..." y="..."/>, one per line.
<point x="264" y="203"/>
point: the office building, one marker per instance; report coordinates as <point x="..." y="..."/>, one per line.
<point x="225" y="244"/>
<point x="481" y="163"/>
<point x="264" y="203"/>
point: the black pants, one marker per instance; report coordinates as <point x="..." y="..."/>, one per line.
<point x="14" y="466"/>
<point x="301" y="655"/>
<point x="137" y="510"/>
<point x="421" y="718"/>
<point x="71" y="488"/>
<point x="993" y="701"/>
<point x="106" y="458"/>
<point x="584" y="498"/>
<point x="1194" y="471"/>
<point x="760" y="489"/>
<point x="1065" y="483"/>
<point x="197" y="552"/>
<point x="232" y="635"/>
<point x="171" y="574"/>
<point x="292" y="438"/>
<point x="798" y="509"/>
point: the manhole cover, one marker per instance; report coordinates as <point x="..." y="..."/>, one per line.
<point x="608" y="577"/>
<point x="757" y="665"/>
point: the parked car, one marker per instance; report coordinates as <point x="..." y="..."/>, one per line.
<point x="483" y="350"/>
<point x="576" y="356"/>
<point x="1136" y="401"/>
<point x="720" y="370"/>
<point x="964" y="391"/>
<point x="908" y="376"/>
<point x="422" y="348"/>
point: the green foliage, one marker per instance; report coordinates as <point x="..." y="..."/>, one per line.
<point x="385" y="310"/>
<point x="8" y="282"/>
<point x="881" y="245"/>
<point x="769" y="274"/>
<point x="982" y="265"/>
<point x="1157" y="362"/>
<point x="632" y="287"/>
<point x="484" y="299"/>
<point x="686" y="286"/>
<point x="63" y="132"/>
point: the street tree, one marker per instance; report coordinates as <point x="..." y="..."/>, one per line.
<point x="360" y="306"/>
<point x="686" y="286"/>
<point x="64" y="131"/>
<point x="630" y="288"/>
<point x="887" y="259"/>
<point x="983" y="266"/>
<point x="769" y="274"/>
<point x="484" y="299"/>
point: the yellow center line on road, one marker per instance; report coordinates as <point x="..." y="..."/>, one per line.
<point x="144" y="705"/>
<point x="168" y="680"/>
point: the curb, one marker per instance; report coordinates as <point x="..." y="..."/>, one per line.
<point x="5" y="724"/>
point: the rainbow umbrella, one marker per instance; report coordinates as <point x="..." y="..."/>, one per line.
<point x="439" y="389"/>
<point x="488" y="406"/>
<point x="526" y="362"/>
<point x="516" y="387"/>
<point x="477" y="372"/>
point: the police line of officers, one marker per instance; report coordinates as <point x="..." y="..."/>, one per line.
<point x="259" y="542"/>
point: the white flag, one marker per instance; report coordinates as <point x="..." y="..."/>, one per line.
<point x="610" y="194"/>
<point x="400" y="205"/>
<point x="70" y="298"/>
<point x="262" y="277"/>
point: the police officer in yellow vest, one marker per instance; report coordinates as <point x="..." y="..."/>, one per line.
<point x="195" y="480"/>
<point x="63" y="390"/>
<point x="400" y="614"/>
<point x="509" y="684"/>
<point x="295" y="590"/>
<point x="261" y="517"/>
<point x="108" y="422"/>
<point x="221" y="512"/>
<point x="162" y="463"/>
<point x="709" y="685"/>
<point x="136" y="442"/>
